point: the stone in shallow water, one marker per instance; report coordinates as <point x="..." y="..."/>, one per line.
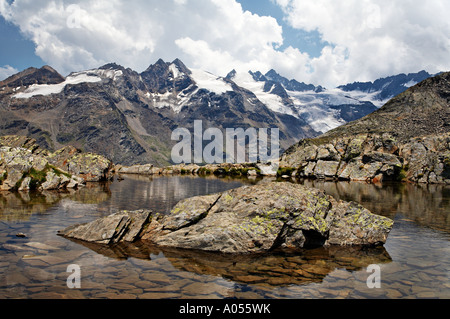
<point x="245" y="220"/>
<point x="123" y="226"/>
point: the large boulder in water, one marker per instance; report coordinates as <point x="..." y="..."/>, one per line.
<point x="259" y="218"/>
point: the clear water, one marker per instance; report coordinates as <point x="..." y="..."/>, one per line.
<point x="414" y="263"/>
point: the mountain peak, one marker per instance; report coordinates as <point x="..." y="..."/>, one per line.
<point x="258" y="76"/>
<point x="292" y="85"/>
<point x="112" y="66"/>
<point x="181" y="66"/>
<point x="30" y="76"/>
<point x="231" y="74"/>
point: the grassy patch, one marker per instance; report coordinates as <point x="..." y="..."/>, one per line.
<point x="40" y="177"/>
<point x="204" y="171"/>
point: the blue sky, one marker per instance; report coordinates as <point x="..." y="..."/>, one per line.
<point x="324" y="42"/>
<point x="305" y="41"/>
<point x="17" y="51"/>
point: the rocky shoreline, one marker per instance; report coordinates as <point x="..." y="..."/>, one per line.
<point x="24" y="166"/>
<point x="245" y="169"/>
<point x="371" y="158"/>
<point x="367" y="157"/>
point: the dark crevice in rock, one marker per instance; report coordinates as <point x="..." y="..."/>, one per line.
<point x="196" y="220"/>
<point x="281" y="237"/>
<point x="314" y="239"/>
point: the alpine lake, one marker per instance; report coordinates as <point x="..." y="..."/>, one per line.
<point x="34" y="260"/>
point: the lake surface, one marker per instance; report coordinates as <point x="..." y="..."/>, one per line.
<point x="414" y="262"/>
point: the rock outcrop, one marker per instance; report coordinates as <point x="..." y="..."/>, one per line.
<point x="372" y="158"/>
<point x="25" y="166"/>
<point x="91" y="167"/>
<point x="249" y="219"/>
<point x="120" y="227"/>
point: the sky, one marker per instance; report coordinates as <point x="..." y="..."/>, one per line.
<point x="323" y="42"/>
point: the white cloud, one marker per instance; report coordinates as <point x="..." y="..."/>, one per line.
<point x="6" y="71"/>
<point x="367" y="38"/>
<point x="85" y="34"/>
<point x="373" y="38"/>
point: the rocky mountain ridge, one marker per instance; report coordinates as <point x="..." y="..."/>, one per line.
<point x="129" y="116"/>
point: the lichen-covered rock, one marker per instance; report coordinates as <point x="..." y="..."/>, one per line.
<point x="25" y="166"/>
<point x="428" y="159"/>
<point x="91" y="167"/>
<point x="373" y="158"/>
<point x="15" y="141"/>
<point x="252" y="219"/>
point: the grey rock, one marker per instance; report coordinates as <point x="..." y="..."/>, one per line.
<point x="123" y="226"/>
<point x="374" y="158"/>
<point x="249" y="219"/>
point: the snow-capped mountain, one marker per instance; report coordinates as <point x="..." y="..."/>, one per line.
<point x="382" y="90"/>
<point x="129" y="116"/>
<point x="324" y="109"/>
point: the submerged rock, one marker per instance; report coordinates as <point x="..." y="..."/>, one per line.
<point x="249" y="219"/>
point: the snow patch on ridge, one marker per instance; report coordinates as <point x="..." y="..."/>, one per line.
<point x="210" y="82"/>
<point x="48" y="89"/>
<point x="272" y="101"/>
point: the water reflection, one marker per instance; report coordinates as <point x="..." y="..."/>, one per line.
<point x="415" y="260"/>
<point x="161" y="194"/>
<point x="279" y="268"/>
<point x="20" y="206"/>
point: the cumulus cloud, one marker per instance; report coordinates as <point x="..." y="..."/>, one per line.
<point x="365" y="39"/>
<point x="368" y="39"/>
<point x="83" y="34"/>
<point x="6" y="71"/>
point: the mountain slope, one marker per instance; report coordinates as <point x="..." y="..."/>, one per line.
<point x="30" y="76"/>
<point x="421" y="110"/>
<point x="129" y="116"/>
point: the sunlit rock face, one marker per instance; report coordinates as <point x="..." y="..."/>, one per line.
<point x="249" y="219"/>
